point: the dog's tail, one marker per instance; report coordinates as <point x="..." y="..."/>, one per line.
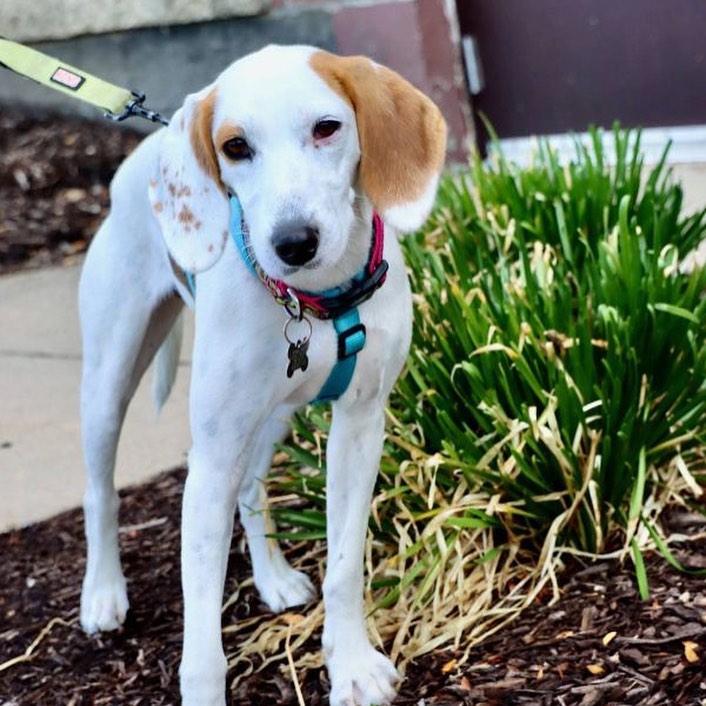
<point x="166" y="363"/>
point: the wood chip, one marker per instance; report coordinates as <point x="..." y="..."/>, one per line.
<point x="608" y="638"/>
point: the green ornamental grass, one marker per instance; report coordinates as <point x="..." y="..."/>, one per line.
<point x="553" y="400"/>
<point x="559" y="346"/>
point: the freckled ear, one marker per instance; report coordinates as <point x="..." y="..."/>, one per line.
<point x="188" y="198"/>
<point x="402" y="136"/>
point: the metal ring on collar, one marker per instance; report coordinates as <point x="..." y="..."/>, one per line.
<point x="291" y="321"/>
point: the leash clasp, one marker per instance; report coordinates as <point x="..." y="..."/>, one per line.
<point x="135" y="107"/>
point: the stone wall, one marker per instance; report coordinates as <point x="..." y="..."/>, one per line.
<point x="61" y="19"/>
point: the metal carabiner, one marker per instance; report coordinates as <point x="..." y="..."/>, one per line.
<point x="135" y="107"/>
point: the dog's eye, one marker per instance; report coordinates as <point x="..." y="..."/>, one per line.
<point x="237" y="149"/>
<point x="326" y="128"/>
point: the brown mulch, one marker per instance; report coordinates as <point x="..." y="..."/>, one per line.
<point x="598" y="646"/>
<point x="54" y="176"/>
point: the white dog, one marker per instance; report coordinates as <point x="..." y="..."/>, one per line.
<point x="292" y="153"/>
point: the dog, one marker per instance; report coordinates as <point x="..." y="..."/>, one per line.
<point x="273" y="199"/>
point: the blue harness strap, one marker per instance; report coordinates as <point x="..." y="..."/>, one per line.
<point x="351" y="341"/>
<point x="191" y="281"/>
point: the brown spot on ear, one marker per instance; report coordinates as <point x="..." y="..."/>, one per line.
<point x="158" y="207"/>
<point x="186" y="215"/>
<point x="402" y="133"/>
<point x="200" y="134"/>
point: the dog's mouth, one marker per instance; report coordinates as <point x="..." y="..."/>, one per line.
<point x="288" y="270"/>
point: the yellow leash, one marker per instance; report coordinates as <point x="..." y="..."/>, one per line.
<point x="118" y="103"/>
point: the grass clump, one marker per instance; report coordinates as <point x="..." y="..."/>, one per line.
<point x="559" y="352"/>
<point x="554" y="396"/>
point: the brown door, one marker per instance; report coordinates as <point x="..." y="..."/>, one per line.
<point x="553" y="66"/>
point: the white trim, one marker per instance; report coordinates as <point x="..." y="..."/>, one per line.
<point x="688" y="145"/>
<point x="471" y="59"/>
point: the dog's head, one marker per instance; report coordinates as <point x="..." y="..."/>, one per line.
<point x="308" y="141"/>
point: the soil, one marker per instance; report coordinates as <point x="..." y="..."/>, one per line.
<point x="599" y="645"/>
<point x="54" y="176"/>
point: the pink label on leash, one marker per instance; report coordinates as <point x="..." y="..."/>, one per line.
<point x="67" y="78"/>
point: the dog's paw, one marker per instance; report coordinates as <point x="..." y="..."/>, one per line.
<point x="362" y="677"/>
<point x="104" y="604"/>
<point x="285" y="588"/>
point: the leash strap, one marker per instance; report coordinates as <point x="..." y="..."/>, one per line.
<point x="118" y="103"/>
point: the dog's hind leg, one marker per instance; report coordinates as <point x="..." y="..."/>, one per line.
<point x="280" y="585"/>
<point x="124" y="319"/>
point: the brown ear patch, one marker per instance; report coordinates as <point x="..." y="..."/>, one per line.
<point x="200" y="135"/>
<point x="402" y="133"/>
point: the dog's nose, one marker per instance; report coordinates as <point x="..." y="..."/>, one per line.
<point x="296" y="244"/>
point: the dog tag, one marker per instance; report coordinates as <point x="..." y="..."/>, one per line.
<point x="298" y="345"/>
<point x="298" y="358"/>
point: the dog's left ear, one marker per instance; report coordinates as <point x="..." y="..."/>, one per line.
<point x="402" y="136"/>
<point x="188" y="198"/>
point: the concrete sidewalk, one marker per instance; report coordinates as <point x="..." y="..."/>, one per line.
<point x="41" y="469"/>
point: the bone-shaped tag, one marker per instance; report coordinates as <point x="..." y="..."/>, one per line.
<point x="298" y="358"/>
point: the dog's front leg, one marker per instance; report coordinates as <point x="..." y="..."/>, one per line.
<point x="207" y="526"/>
<point x="360" y="675"/>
